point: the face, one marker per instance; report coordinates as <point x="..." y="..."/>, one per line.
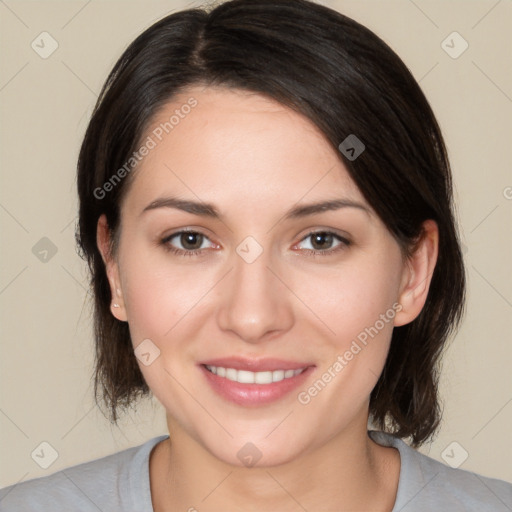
<point x="250" y="286"/>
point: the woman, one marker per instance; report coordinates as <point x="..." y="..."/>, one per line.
<point x="266" y="211"/>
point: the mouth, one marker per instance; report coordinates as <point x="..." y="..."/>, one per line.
<point x="251" y="383"/>
<point x="248" y="377"/>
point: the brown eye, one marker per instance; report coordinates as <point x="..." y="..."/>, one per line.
<point x="321" y="243"/>
<point x="189" y="243"/>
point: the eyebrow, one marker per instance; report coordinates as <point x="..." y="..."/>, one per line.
<point x="209" y="210"/>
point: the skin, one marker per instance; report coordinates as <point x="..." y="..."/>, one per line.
<point x="255" y="159"/>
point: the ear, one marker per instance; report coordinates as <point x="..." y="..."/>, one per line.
<point x="417" y="274"/>
<point x="103" y="240"/>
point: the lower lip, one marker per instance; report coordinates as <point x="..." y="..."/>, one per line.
<point x="254" y="394"/>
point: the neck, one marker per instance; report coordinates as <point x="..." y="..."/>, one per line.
<point x="349" y="472"/>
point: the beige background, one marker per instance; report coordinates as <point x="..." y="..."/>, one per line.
<point x="46" y="359"/>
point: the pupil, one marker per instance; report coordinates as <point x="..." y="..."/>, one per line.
<point x="187" y="239"/>
<point x="322" y="236"/>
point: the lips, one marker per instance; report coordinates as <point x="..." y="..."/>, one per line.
<point x="256" y="365"/>
<point x="254" y="382"/>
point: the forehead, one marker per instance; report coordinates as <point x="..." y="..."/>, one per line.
<point x="232" y="145"/>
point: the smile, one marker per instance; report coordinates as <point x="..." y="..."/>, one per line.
<point x="248" y="388"/>
<point x="248" y="377"/>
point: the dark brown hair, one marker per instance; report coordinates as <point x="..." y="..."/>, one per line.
<point x="346" y="80"/>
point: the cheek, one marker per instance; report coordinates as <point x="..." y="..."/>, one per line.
<point x="353" y="297"/>
<point x="358" y="304"/>
<point x="162" y="301"/>
<point x="159" y="294"/>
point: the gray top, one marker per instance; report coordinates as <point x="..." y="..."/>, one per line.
<point x="120" y="482"/>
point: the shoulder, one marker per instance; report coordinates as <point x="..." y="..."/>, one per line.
<point x="426" y="484"/>
<point x="107" y="483"/>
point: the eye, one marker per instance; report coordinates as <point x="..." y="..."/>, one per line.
<point x="191" y="242"/>
<point x="322" y="241"/>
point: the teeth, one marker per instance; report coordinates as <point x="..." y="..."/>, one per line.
<point x="247" y="377"/>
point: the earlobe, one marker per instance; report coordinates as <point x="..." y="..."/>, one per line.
<point x="103" y="235"/>
<point x="117" y="305"/>
<point x="417" y="275"/>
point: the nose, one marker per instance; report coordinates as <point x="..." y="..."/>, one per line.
<point x="256" y="303"/>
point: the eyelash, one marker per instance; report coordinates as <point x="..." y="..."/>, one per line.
<point x="180" y="252"/>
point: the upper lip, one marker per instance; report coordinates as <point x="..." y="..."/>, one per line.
<point x="255" y="365"/>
